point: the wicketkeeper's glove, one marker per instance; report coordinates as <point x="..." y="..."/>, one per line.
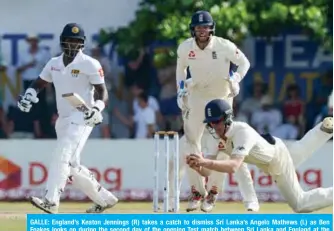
<point x="233" y="83"/>
<point x="182" y="92"/>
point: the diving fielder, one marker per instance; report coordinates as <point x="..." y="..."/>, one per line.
<point x="72" y="72"/>
<point x="207" y="59"/>
<point x="268" y="153"/>
<point x="214" y="149"/>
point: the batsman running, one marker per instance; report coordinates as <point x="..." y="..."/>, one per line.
<point x="72" y="72"/>
<point x="268" y="153"/>
<point x="214" y="148"/>
<point x="207" y="59"/>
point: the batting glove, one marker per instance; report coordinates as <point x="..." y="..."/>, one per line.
<point x="233" y="84"/>
<point x="94" y="116"/>
<point x="25" y="101"/>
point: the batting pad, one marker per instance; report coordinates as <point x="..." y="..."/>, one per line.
<point x="84" y="180"/>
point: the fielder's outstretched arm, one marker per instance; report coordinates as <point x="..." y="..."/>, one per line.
<point x="243" y="145"/>
<point x="202" y="171"/>
<point x="204" y="165"/>
<point x="228" y="166"/>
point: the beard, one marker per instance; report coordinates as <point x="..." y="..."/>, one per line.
<point x="202" y="37"/>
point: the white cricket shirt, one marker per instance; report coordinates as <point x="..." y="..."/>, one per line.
<point x="77" y="77"/>
<point x="209" y="67"/>
<point x="152" y="103"/>
<point x="143" y="118"/>
<point x="210" y="144"/>
<point x="243" y="140"/>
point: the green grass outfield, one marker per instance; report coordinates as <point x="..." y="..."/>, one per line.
<point x="13" y="215"/>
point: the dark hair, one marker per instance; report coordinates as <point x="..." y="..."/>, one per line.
<point x="264" y="87"/>
<point x="293" y="87"/>
<point x="143" y="96"/>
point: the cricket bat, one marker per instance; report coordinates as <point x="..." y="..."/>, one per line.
<point x="76" y="101"/>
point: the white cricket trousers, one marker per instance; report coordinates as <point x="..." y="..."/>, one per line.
<point x="193" y="131"/>
<point x="285" y="163"/>
<point x="216" y="181"/>
<point x="72" y="135"/>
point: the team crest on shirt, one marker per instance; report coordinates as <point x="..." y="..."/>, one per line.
<point x="214" y="55"/>
<point x="75" y="73"/>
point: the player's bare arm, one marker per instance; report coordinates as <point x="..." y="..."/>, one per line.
<point x="94" y="116"/>
<point x="201" y="170"/>
<point x="39" y="84"/>
<point x="30" y="95"/>
<point x="228" y="166"/>
<point x="101" y="92"/>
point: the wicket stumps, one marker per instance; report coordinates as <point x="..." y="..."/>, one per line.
<point x="167" y="137"/>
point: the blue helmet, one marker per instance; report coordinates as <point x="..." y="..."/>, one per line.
<point x="217" y="110"/>
<point x="201" y="18"/>
<point x="72" y="31"/>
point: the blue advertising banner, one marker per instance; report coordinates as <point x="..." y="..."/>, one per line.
<point x="290" y="58"/>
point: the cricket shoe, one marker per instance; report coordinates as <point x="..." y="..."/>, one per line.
<point x="171" y="210"/>
<point x="44" y="205"/>
<point x="252" y="206"/>
<point x="327" y="125"/>
<point x="195" y="201"/>
<point x="95" y="208"/>
<point x="209" y="202"/>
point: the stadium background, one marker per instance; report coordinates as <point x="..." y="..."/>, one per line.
<point x="122" y="162"/>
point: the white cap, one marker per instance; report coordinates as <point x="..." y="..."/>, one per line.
<point x="266" y="100"/>
<point x="32" y="37"/>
